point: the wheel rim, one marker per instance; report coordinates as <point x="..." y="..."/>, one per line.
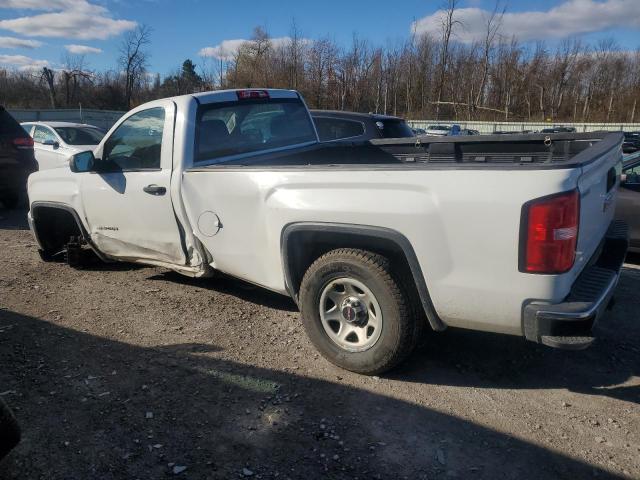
<point x="350" y="314"/>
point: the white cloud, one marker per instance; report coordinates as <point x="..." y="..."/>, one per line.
<point x="22" y="62"/>
<point x="12" y="42"/>
<point x="65" y="19"/>
<point x="227" y="49"/>
<point x="82" y="49"/>
<point x="223" y="51"/>
<point x="572" y="17"/>
<point x="38" y="4"/>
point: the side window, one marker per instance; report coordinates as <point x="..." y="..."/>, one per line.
<point x="137" y="142"/>
<point x="335" y="128"/>
<point x="42" y="134"/>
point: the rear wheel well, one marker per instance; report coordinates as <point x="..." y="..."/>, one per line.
<point x="305" y="247"/>
<point x="302" y="244"/>
<point x="54" y="227"/>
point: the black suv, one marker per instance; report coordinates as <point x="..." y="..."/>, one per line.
<point x="357" y="127"/>
<point x="17" y="160"/>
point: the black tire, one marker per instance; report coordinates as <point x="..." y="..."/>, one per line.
<point x="402" y="326"/>
<point x="9" y="430"/>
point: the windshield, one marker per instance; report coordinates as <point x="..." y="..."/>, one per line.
<point x="394" y="129"/>
<point x="247" y="126"/>
<point x="80" y="135"/>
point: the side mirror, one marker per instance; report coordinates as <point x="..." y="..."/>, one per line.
<point x="52" y="143"/>
<point x="82" y="162"/>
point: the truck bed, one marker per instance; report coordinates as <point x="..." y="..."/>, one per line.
<point x="537" y="151"/>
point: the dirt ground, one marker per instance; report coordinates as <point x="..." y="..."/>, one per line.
<point x="127" y="372"/>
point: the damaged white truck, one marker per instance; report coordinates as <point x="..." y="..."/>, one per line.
<point x="374" y="241"/>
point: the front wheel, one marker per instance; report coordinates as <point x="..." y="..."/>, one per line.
<point x="357" y="311"/>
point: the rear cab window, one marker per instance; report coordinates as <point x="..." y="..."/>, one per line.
<point x="227" y="130"/>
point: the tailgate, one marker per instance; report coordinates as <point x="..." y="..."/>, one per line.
<point x="598" y="186"/>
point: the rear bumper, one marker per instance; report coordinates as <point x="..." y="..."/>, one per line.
<point x="568" y="324"/>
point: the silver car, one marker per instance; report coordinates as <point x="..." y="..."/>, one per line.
<point x="55" y="142"/>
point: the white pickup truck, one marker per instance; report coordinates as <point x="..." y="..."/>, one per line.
<point x="374" y="241"/>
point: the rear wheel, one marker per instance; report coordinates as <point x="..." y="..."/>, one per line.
<point x="356" y="311"/>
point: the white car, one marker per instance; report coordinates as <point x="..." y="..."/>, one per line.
<point x="55" y="142"/>
<point x="438" y="130"/>
<point x="374" y="241"/>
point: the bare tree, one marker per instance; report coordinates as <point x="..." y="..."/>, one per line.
<point x="419" y="77"/>
<point x="48" y="76"/>
<point x="492" y="26"/>
<point x="447" y="26"/>
<point x="74" y="74"/>
<point x="134" y="59"/>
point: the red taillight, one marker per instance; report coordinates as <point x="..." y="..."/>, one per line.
<point x="551" y="233"/>
<point x="23" y="142"/>
<point x="247" y="94"/>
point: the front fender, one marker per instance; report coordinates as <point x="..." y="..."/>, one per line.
<point x="58" y="186"/>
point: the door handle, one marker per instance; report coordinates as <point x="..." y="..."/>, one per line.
<point x="155" y="189"/>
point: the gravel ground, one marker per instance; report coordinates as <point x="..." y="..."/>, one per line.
<point x="128" y="372"/>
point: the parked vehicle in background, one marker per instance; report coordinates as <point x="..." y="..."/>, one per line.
<point x="55" y="142"/>
<point x="371" y="239"/>
<point x="628" y="206"/>
<point x="631" y="142"/>
<point x="438" y="130"/>
<point x="558" y="129"/>
<point x="467" y="131"/>
<point x="516" y="132"/>
<point x="453" y="130"/>
<point x="17" y="161"/>
<point x="419" y="131"/>
<point x="338" y="125"/>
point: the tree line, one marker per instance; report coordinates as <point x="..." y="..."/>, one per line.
<point x="422" y="77"/>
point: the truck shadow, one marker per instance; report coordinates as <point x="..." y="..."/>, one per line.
<point x="232" y="286"/>
<point x="93" y="407"/>
<point x="458" y="357"/>
<point x="483" y="360"/>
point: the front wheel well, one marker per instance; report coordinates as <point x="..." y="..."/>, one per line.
<point x="304" y="243"/>
<point x="54" y="226"/>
